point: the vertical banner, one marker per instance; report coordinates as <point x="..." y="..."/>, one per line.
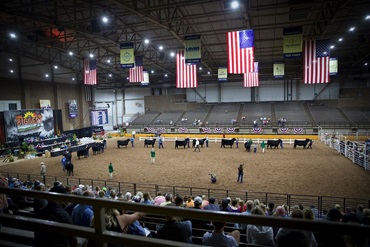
<point x="145" y="82"/>
<point x="72" y="108"/>
<point x="127" y="58"/>
<point x="316" y="61"/>
<point x="278" y="70"/>
<point x="251" y="78"/>
<point x="292" y="42"/>
<point x="222" y="74"/>
<point x="333" y="67"/>
<point x="193" y="52"/>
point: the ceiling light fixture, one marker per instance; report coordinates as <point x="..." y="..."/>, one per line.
<point x="70" y="53"/>
<point x="12" y="35"/>
<point x="165" y="75"/>
<point x="10" y="60"/>
<point x="161" y="48"/>
<point x="91" y="55"/>
<point x="73" y="79"/>
<point x="110" y="75"/>
<point x="152" y="71"/>
<point x="11" y="71"/>
<point x="146" y="41"/>
<point x="367" y="17"/>
<point x="340" y="39"/>
<point x="352" y="29"/>
<point x="104" y="19"/>
<point x="46" y="75"/>
<point x="108" y="61"/>
<point x="234" y="4"/>
<point x="55" y="66"/>
<point x="172" y="54"/>
<point x="332" y="47"/>
<point x="365" y="64"/>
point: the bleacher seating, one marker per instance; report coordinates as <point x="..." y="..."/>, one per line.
<point x="327" y="115"/>
<point x="356" y="115"/>
<point x="165" y="118"/>
<point x="293" y="112"/>
<point x="224" y="114"/>
<point x="254" y="111"/>
<point x="145" y="119"/>
<point x="199" y="113"/>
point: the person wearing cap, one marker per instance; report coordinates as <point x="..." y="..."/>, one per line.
<point x="218" y="237"/>
<point x="198" y="206"/>
<point x="110" y="170"/>
<point x="43" y="171"/>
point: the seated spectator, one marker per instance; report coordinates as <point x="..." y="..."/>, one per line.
<point x="293" y="237"/>
<point x="219" y="238"/>
<point x="225" y="206"/>
<point x="189" y="202"/>
<point x="212" y="205"/>
<point x="54" y="211"/>
<point x="175" y="230"/>
<point x="147" y="199"/>
<point x="260" y="235"/>
<point x="159" y="199"/>
<point x="324" y="238"/>
<point x="168" y="199"/>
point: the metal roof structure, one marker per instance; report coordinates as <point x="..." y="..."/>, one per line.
<point x="47" y="30"/>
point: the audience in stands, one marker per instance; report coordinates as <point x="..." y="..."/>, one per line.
<point x="260" y="235"/>
<point x="219" y="238"/>
<point x="212" y="205"/>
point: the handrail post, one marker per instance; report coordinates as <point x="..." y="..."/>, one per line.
<point x="320" y="207"/>
<point x="135" y="189"/>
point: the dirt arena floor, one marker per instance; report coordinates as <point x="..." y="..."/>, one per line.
<point x="318" y="171"/>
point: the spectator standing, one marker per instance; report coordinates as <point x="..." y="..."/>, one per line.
<point x="197" y="145"/>
<point x="263" y="145"/>
<point x="152" y="156"/>
<point x="132" y="139"/>
<point x="43" y="171"/>
<point x="237" y="142"/>
<point x="160" y="142"/>
<point x="240" y="173"/>
<point x="110" y="170"/>
<point x="207" y="139"/>
<point x="255" y="148"/>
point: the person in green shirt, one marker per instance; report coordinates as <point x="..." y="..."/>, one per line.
<point x="110" y="170"/>
<point x="263" y="145"/>
<point x="152" y="156"/>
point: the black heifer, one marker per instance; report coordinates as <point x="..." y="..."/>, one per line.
<point x="273" y="143"/>
<point x="148" y="142"/>
<point x="97" y="147"/>
<point x="69" y="168"/>
<point x="122" y="143"/>
<point x="247" y="146"/>
<point x="83" y="152"/>
<point x="201" y="142"/>
<point x="302" y="143"/>
<point x="228" y="142"/>
<point x="181" y="143"/>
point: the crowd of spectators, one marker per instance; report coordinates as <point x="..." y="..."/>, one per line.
<point x="181" y="229"/>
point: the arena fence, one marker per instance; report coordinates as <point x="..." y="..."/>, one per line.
<point x="320" y="204"/>
<point x="102" y="237"/>
<point x="358" y="152"/>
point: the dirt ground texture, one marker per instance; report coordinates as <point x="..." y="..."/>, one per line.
<point x="318" y="171"/>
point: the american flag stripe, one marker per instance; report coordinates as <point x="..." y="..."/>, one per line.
<point x="240" y="60"/>
<point x="90" y="72"/>
<point x="186" y="75"/>
<point x="316" y="69"/>
<point x="251" y="79"/>
<point x="136" y="74"/>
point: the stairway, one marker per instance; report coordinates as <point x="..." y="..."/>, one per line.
<point x="273" y="120"/>
<point x="208" y="114"/>
<point x="240" y="113"/>
<point x="308" y="113"/>
<point x="345" y="116"/>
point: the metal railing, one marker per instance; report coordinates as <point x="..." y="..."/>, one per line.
<point x="102" y="236"/>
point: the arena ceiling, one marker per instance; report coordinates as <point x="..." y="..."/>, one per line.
<point x="48" y="30"/>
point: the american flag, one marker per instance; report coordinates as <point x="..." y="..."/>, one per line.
<point x="316" y="61"/>
<point x="90" y="72"/>
<point x="186" y="74"/>
<point x="136" y="74"/>
<point x="240" y="47"/>
<point x="251" y="78"/>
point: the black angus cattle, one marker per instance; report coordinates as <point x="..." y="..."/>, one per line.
<point x="303" y="143"/>
<point x="180" y="143"/>
<point x="247" y="146"/>
<point x="201" y="142"/>
<point x="83" y="152"/>
<point x="228" y="142"/>
<point x="148" y="142"/>
<point x="97" y="147"/>
<point x="122" y="143"/>
<point x="69" y="168"/>
<point x="273" y="143"/>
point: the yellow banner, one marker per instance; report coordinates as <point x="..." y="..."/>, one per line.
<point x="278" y="70"/>
<point x="292" y="42"/>
<point x="127" y="58"/>
<point x="222" y="74"/>
<point x="333" y="66"/>
<point x="193" y="52"/>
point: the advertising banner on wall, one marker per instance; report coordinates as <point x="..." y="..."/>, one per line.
<point x="72" y="108"/>
<point x="99" y="117"/>
<point x="28" y="123"/>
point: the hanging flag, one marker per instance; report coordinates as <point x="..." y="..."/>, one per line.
<point x="186" y="74"/>
<point x="127" y="58"/>
<point x="222" y="74"/>
<point x="251" y="78"/>
<point x="192" y="49"/>
<point x="292" y="42"/>
<point x="240" y="51"/>
<point x="145" y="82"/>
<point x="316" y="61"/>
<point x="278" y="71"/>
<point x="90" y="72"/>
<point x="136" y="74"/>
<point x="333" y="67"/>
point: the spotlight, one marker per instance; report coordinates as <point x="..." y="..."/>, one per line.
<point x="70" y="53"/>
<point x="152" y="71"/>
<point x="108" y="61"/>
<point x="340" y="39"/>
<point x="161" y="48"/>
<point x="12" y="35"/>
<point x="352" y="29"/>
<point x="367" y="17"/>
<point x="10" y="60"/>
<point x="110" y="75"/>
<point x="172" y="54"/>
<point x="73" y="79"/>
<point x="55" y="66"/>
<point x="234" y="4"/>
<point x="46" y="75"/>
<point x="146" y="41"/>
<point x="165" y="75"/>
<point x="332" y="47"/>
<point x="91" y="55"/>
<point x="200" y="68"/>
<point x="104" y="19"/>
<point x="365" y="64"/>
<point x="11" y="71"/>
